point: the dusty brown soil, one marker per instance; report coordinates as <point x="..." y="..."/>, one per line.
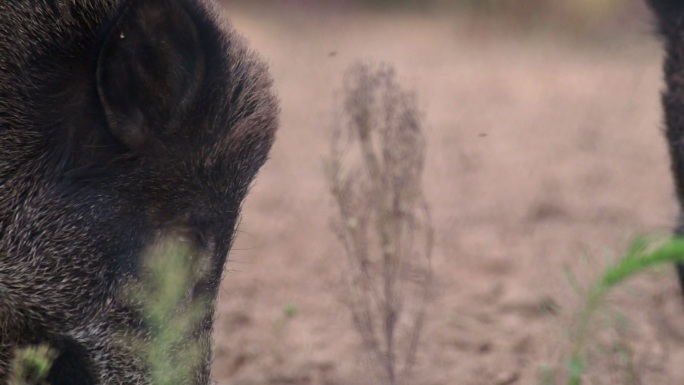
<point x="544" y="153"/>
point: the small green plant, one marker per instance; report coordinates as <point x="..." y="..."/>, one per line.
<point x="32" y="364"/>
<point x="291" y="310"/>
<point x="171" y="270"/>
<point x="644" y="253"/>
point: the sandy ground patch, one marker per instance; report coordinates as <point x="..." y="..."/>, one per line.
<point x="543" y="153"/>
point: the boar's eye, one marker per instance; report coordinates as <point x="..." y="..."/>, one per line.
<point x="194" y="239"/>
<point x="179" y="247"/>
<point x="185" y="237"/>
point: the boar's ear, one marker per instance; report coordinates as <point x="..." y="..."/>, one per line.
<point x="149" y="69"/>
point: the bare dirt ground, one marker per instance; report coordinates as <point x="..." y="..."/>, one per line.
<point x="544" y="153"/>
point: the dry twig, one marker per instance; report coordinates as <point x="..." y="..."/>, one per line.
<point x="374" y="173"/>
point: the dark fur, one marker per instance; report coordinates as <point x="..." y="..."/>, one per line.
<point x="670" y="18"/>
<point x="120" y="120"/>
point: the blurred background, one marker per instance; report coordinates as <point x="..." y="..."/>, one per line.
<point x="587" y="17"/>
<point x="545" y="156"/>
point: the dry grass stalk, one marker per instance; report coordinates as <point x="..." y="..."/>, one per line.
<point x="374" y="173"/>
